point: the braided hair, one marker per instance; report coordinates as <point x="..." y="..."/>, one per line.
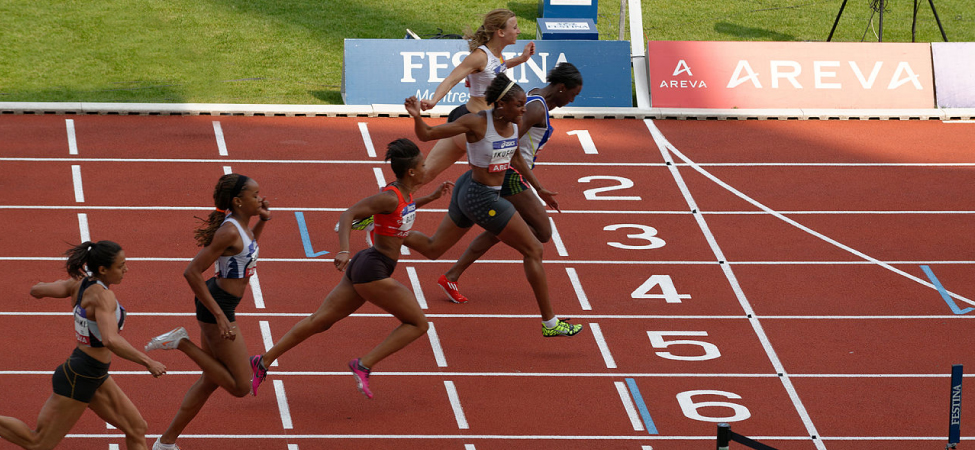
<point x="501" y="88"/>
<point x="402" y="154"/>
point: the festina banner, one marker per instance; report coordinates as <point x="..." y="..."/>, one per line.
<point x="728" y="75"/>
<point x="386" y="71"/>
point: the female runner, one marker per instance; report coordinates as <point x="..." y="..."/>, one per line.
<point x="492" y="145"/>
<point x="368" y="275"/>
<point x="83" y="382"/>
<point x="222" y="354"/>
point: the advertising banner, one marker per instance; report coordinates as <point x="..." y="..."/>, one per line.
<point x="386" y="71"/>
<point x="728" y="75"/>
<point x="954" y="73"/>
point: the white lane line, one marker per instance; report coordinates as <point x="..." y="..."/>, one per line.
<point x="72" y="140"/>
<point x="112" y="446"/>
<point x="597" y="333"/>
<point x="79" y="191"/>
<point x="455" y="405"/>
<point x="292" y="446"/>
<point x="109" y="426"/>
<point x="469" y="447"/>
<point x="83" y="227"/>
<point x="557" y="239"/>
<point x="227" y="170"/>
<point x="417" y="289"/>
<point x="380" y="178"/>
<point x="256" y="290"/>
<point x="266" y="337"/>
<point x="283" y="404"/>
<point x="366" y="139"/>
<point x="588" y="146"/>
<point x="577" y="286"/>
<point x="628" y="405"/>
<point x="221" y="143"/>
<point x="665" y="148"/>
<point x="435" y="344"/>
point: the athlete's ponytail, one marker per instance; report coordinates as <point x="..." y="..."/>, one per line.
<point x="228" y="187"/>
<point x="493" y="21"/>
<point x="89" y="256"/>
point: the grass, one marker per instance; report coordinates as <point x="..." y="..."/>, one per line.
<point x="290" y="51"/>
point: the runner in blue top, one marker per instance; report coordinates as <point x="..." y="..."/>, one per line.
<point x="492" y="147"/>
<point x="83" y="382"/>
<point x="229" y="243"/>
<point x="564" y="84"/>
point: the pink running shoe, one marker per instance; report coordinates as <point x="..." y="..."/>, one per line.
<point x="450" y="288"/>
<point x="361" y="375"/>
<point x="257" y="366"/>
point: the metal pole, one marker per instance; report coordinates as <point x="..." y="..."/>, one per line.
<point x="937" y="19"/>
<point x="914" y="24"/>
<point x="880" y="35"/>
<point x="836" y="22"/>
<point x="623" y="18"/>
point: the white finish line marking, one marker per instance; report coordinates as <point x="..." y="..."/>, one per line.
<point x="221" y="143"/>
<point x="83" y="227"/>
<point x="629" y="406"/>
<point x="455" y="404"/>
<point x="256" y="290"/>
<point x="79" y="192"/>
<point x="266" y="337"/>
<point x="577" y="286"/>
<point x="437" y="348"/>
<point x="72" y="140"/>
<point x="366" y="139"/>
<point x="283" y="404"/>
<point x="597" y="333"/>
<point x="417" y="290"/>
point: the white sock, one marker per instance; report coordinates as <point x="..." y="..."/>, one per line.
<point x="160" y="445"/>
<point x="551" y="323"/>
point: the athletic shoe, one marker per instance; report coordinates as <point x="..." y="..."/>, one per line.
<point x="450" y="288"/>
<point x="358" y="224"/>
<point x="257" y="366"/>
<point x="160" y="446"/>
<point x="167" y="341"/>
<point x="361" y="375"/>
<point x="563" y="328"/>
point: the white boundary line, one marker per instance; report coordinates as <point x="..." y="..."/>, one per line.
<point x="455" y="405"/>
<point x="72" y="139"/>
<point x="665" y="148"/>
<point x="79" y="190"/>
<point x="282" y="405"/>
<point x="438" y="353"/>
<point x="83" y="227"/>
<point x="367" y="139"/>
<point x="417" y="289"/>
<point x="577" y="287"/>
<point x="267" y="338"/>
<point x="597" y="333"/>
<point x="629" y="406"/>
<point x="221" y="143"/>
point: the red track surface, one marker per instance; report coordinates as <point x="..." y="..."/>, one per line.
<point x="867" y="350"/>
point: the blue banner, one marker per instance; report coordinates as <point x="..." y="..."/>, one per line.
<point x="386" y="71"/>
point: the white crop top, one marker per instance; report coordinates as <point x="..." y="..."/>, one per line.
<point x="493" y="152"/>
<point x="479" y="81"/>
<point x="243" y="264"/>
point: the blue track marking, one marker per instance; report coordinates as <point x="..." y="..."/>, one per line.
<point x="305" y="238"/>
<point x="944" y="293"/>
<point x="641" y="406"/>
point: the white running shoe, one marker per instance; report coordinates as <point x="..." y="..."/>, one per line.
<point x="160" y="446"/>
<point x="167" y="341"/>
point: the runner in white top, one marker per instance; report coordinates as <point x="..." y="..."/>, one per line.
<point x="492" y="144"/>
<point x="564" y="84"/>
<point x="499" y="30"/>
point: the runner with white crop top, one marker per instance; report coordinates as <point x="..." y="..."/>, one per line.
<point x="492" y="147"/>
<point x="231" y="245"/>
<point x="564" y="84"/>
<point x="485" y="61"/>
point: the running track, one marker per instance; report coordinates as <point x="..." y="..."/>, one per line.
<point x="763" y="273"/>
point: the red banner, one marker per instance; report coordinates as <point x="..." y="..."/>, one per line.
<point x="727" y="75"/>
